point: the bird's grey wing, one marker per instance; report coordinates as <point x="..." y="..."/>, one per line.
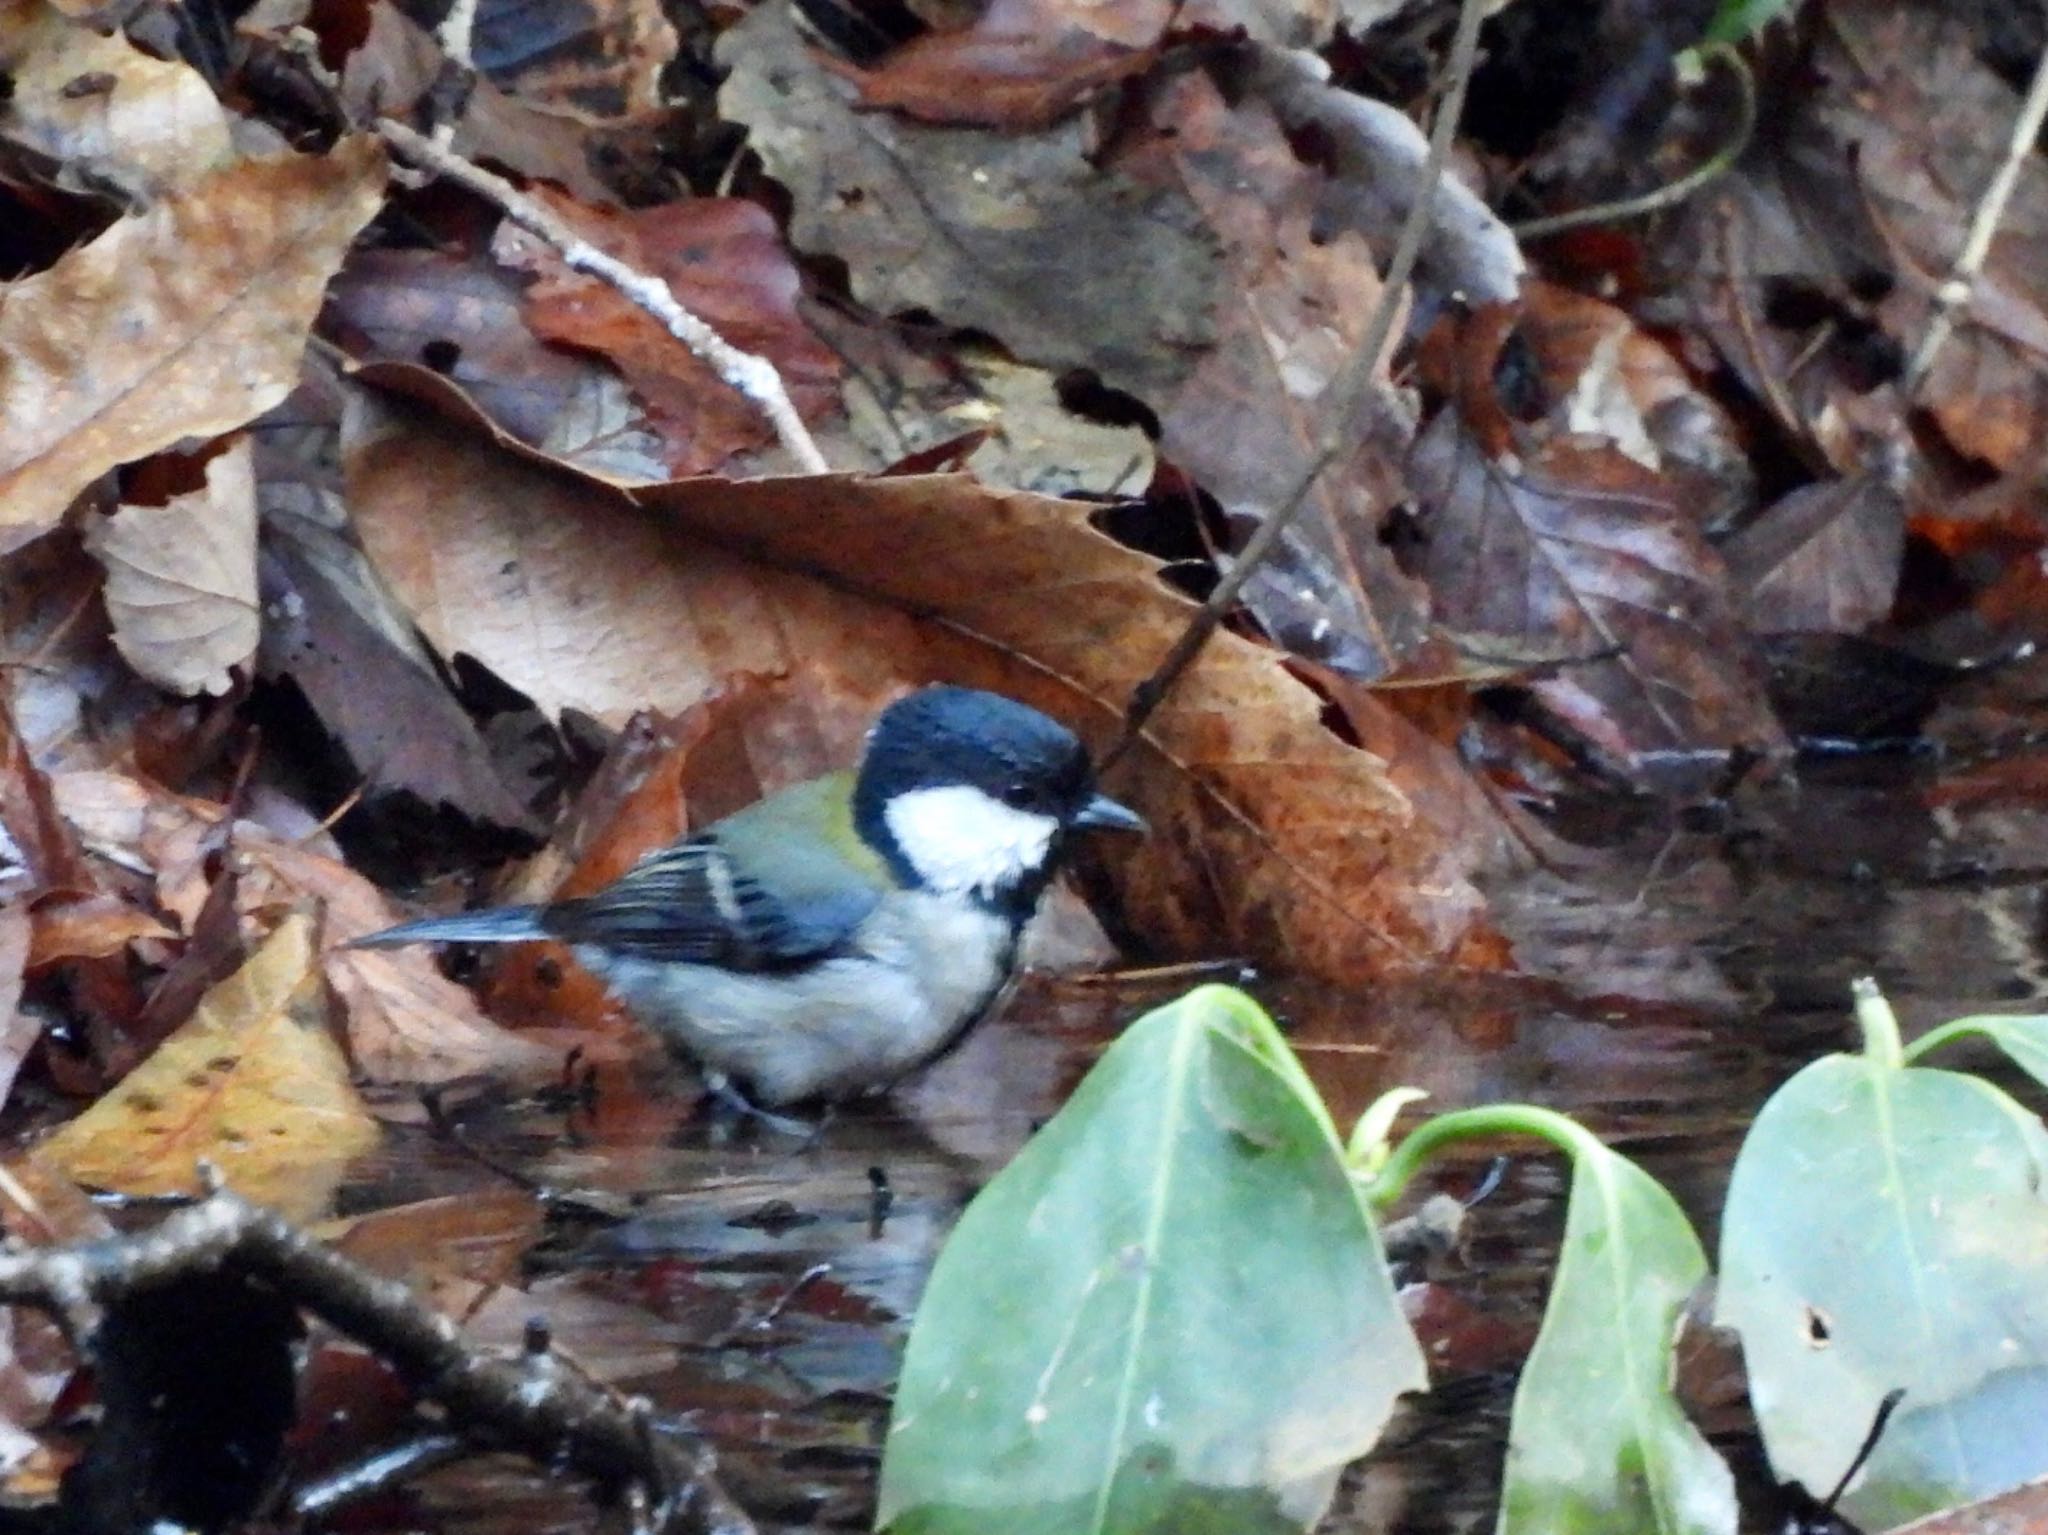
<point x="687" y="903"/>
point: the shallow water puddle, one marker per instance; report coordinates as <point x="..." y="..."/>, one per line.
<point x="760" y="1283"/>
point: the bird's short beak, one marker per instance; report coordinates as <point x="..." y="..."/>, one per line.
<point x="1102" y="813"/>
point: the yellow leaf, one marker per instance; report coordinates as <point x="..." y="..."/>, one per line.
<point x="252" y="1083"/>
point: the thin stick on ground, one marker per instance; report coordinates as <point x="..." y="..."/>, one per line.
<point x="1675" y="192"/>
<point x="519" y="1404"/>
<point x="755" y="377"/>
<point x="1350" y="392"/>
<point x="1955" y="294"/>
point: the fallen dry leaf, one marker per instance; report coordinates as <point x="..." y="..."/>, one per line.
<point x="336" y="634"/>
<point x="464" y="319"/>
<point x="1250" y="419"/>
<point x="481" y="1237"/>
<point x="181" y="579"/>
<point x="93" y="927"/>
<point x="1021" y="64"/>
<point x="253" y="1083"/>
<point x="405" y="1021"/>
<point x="185" y="320"/>
<point x="1605" y="376"/>
<point x="724" y="260"/>
<point x="965" y="224"/>
<point x="146" y="125"/>
<point x="1580" y="546"/>
<point x="1271" y="836"/>
<point x="1824" y="558"/>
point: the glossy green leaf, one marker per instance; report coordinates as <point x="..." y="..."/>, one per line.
<point x="2024" y="1037"/>
<point x="1170" y="1313"/>
<point x="1598" y="1444"/>
<point x="1736" y="20"/>
<point x="1885" y="1228"/>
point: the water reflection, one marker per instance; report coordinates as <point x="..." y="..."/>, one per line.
<point x="1671" y="980"/>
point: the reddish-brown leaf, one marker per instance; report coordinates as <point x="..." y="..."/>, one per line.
<point x="1021" y="64"/>
<point x="725" y="262"/>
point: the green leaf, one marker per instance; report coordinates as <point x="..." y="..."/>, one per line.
<point x="1885" y="1228"/>
<point x="1169" y="1313"/>
<point x="1598" y="1444"/>
<point x="2023" y="1037"/>
<point x="1737" y="20"/>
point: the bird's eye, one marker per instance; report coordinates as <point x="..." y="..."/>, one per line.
<point x="1017" y="795"/>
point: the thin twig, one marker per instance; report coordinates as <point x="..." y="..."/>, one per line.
<point x="1350" y="391"/>
<point x="1957" y="291"/>
<point x="550" y="1415"/>
<point x="1672" y="192"/>
<point x="755" y="377"/>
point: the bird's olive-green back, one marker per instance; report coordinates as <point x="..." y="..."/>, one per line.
<point x="801" y="848"/>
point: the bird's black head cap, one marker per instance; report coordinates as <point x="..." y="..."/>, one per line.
<point x="943" y="736"/>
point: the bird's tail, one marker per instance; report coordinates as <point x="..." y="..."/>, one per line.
<point x="502" y="924"/>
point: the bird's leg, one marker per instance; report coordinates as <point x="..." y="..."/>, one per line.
<point x="724" y="1100"/>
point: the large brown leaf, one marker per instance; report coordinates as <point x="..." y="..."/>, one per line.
<point x="1576" y="549"/>
<point x="1271" y="836"/>
<point x="186" y="320"/>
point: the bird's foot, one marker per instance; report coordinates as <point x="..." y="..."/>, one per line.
<point x="723" y="1102"/>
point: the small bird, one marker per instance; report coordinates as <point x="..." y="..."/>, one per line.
<point x="835" y="936"/>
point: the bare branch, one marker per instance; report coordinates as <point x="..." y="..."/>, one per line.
<point x="1350" y="392"/>
<point x="520" y="1404"/>
<point x="1955" y="294"/>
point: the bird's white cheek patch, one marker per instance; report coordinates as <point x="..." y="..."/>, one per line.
<point x="961" y="840"/>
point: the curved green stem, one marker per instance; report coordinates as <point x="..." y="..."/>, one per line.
<point x="1672" y="192"/>
<point x="1948" y="1033"/>
<point x="1880" y="1025"/>
<point x="1472" y="1124"/>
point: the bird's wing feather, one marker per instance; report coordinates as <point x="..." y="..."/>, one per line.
<point x="685" y="903"/>
<point x="689" y="902"/>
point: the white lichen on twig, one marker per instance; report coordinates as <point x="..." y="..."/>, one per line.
<point x="753" y="376"/>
